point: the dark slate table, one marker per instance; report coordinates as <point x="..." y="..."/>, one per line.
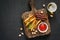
<point x="10" y="19"/>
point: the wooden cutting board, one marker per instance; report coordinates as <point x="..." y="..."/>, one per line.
<point x="28" y="20"/>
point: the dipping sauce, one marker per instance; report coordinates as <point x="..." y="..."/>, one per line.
<point x="43" y="27"/>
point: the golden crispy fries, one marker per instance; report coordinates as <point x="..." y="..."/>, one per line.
<point x="31" y="25"/>
<point x="30" y="21"/>
<point x="26" y="20"/>
<point x="35" y="25"/>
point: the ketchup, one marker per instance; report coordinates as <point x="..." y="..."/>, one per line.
<point x="42" y="27"/>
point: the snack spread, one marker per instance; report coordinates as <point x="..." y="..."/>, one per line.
<point x="36" y="22"/>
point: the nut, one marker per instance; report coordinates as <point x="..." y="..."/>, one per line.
<point x="33" y="32"/>
<point x="41" y="11"/>
<point x="22" y="33"/>
<point x="36" y="31"/>
<point x="51" y="15"/>
<point x="19" y="35"/>
<point x="43" y="5"/>
<point x="21" y="28"/>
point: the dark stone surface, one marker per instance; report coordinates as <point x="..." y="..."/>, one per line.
<point x="10" y="19"/>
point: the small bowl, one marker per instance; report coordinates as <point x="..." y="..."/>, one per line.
<point x="52" y="7"/>
<point x="43" y="30"/>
